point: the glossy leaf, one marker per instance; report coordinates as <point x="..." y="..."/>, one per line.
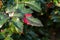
<point x="3" y="19"/>
<point x="8" y="38"/>
<point x="23" y="10"/>
<point x="34" y="6"/>
<point x="18" y="24"/>
<point x="34" y="21"/>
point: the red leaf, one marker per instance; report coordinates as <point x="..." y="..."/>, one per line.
<point x="26" y="21"/>
<point x="28" y="15"/>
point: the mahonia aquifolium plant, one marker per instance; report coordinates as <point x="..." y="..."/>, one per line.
<point x="28" y="19"/>
<point x="14" y="15"/>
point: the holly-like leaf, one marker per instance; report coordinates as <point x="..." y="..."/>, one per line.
<point x="18" y="24"/>
<point x="30" y="20"/>
<point x="17" y="15"/>
<point x="26" y="11"/>
<point x="3" y="19"/>
<point x="12" y="27"/>
<point x="34" y="6"/>
<point x="34" y="21"/>
<point x="8" y="38"/>
<point x="23" y="10"/>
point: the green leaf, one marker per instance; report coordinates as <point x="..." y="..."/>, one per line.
<point x="26" y="11"/>
<point x="11" y="27"/>
<point x="1" y="36"/>
<point x="18" y="24"/>
<point x="6" y="32"/>
<point x="34" y="21"/>
<point x="3" y="19"/>
<point x="8" y="38"/>
<point x="18" y="15"/>
<point x="33" y="5"/>
<point x="23" y="10"/>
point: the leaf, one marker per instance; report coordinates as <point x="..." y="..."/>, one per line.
<point x="18" y="15"/>
<point x="34" y="21"/>
<point x="1" y="36"/>
<point x="6" y="32"/>
<point x="18" y="24"/>
<point x="26" y="11"/>
<point x="34" y="6"/>
<point x="30" y="20"/>
<point x="11" y="27"/>
<point x="17" y="29"/>
<point x="3" y="19"/>
<point x="8" y="38"/>
<point x="23" y="10"/>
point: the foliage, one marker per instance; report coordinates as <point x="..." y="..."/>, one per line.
<point x="28" y="19"/>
